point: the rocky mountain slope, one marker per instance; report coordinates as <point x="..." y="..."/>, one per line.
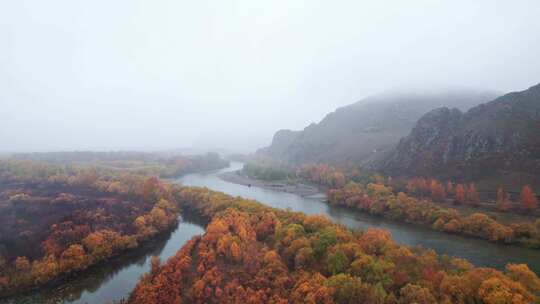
<point x="366" y="130"/>
<point x="498" y="141"/>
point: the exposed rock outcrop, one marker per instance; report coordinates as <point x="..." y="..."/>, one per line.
<point x="496" y="140"/>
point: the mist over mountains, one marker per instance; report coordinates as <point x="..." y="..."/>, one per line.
<point x="461" y="135"/>
<point x="366" y="130"/>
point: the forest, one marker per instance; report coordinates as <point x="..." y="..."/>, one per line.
<point x="59" y="220"/>
<point x="251" y="253"/>
<point x="425" y="202"/>
<point x="166" y="165"/>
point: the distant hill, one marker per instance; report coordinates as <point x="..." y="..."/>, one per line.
<point x="497" y="142"/>
<point x="364" y="131"/>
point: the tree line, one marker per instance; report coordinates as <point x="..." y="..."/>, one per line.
<point x="416" y="203"/>
<point x="142" y="163"/>
<point x="467" y="194"/>
<point x="331" y="177"/>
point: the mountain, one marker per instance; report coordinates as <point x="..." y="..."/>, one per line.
<point x="496" y="142"/>
<point x="364" y="131"/>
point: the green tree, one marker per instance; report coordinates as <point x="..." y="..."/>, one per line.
<point x="337" y="262"/>
<point x="324" y="240"/>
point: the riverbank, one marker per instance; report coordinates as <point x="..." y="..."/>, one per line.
<point x="243" y="232"/>
<point x="114" y="279"/>
<point x="66" y="286"/>
<point x="479" y="251"/>
<point x="521" y="234"/>
<point x="300" y="189"/>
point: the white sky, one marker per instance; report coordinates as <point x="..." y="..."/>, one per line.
<point x="129" y="74"/>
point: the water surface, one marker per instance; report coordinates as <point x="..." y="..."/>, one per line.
<point x="117" y="278"/>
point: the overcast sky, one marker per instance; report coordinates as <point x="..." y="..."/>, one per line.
<point x="129" y="74"/>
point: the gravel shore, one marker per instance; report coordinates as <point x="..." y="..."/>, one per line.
<point x="296" y="188"/>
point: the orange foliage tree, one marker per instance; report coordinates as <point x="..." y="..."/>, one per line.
<point x="529" y="201"/>
<point x="460" y="194"/>
<point x="472" y="195"/>
<point x="438" y="191"/>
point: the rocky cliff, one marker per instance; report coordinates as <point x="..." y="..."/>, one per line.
<point x="497" y="141"/>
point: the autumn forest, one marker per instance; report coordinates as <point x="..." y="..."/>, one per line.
<point x="62" y="218"/>
<point x="269" y="152"/>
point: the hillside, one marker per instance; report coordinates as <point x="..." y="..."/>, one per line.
<point x="497" y="143"/>
<point x="363" y="131"/>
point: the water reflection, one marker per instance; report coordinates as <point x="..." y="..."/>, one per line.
<point x="117" y="278"/>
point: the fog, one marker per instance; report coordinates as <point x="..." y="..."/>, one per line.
<point x="147" y="75"/>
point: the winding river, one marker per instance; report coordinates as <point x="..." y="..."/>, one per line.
<point x="116" y="279"/>
<point x="477" y="251"/>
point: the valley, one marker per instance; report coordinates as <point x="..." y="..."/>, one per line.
<point x="269" y="152"/>
<point x="106" y="283"/>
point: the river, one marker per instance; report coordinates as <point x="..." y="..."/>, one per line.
<point x="477" y="251"/>
<point x="116" y="279"/>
